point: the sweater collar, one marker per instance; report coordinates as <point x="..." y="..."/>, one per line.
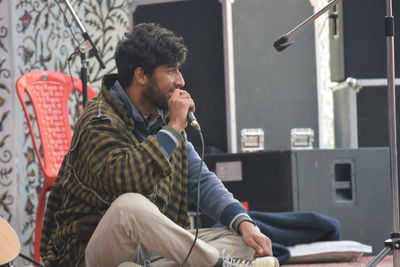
<point x="149" y="125"/>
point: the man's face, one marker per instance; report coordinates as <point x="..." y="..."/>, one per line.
<point x="162" y="82"/>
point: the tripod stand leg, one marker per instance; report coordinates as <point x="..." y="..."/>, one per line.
<point x="379" y="257"/>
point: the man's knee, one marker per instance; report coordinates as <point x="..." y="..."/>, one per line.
<point x="131" y="203"/>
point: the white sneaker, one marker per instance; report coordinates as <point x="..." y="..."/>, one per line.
<point x="228" y="261"/>
<point x="257" y="262"/>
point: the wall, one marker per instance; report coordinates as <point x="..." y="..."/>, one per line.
<point x="34" y="36"/>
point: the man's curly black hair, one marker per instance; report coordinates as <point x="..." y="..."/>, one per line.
<point x="149" y="45"/>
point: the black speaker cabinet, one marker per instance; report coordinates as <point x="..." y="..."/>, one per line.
<point x="358" y="50"/>
<point x="352" y="185"/>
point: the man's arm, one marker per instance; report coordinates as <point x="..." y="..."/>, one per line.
<point x="215" y="200"/>
<point x="117" y="162"/>
<point x="220" y="204"/>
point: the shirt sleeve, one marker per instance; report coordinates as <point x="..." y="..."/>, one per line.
<point x="215" y="200"/>
<point x="169" y="140"/>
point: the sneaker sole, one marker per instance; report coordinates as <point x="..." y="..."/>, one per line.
<point x="129" y="264"/>
<point x="265" y="262"/>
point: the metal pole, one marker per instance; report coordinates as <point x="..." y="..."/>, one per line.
<point x="229" y="75"/>
<point x="389" y="23"/>
<point x="285" y="40"/>
<point x="379" y="257"/>
<point x="293" y="32"/>
<point x="85" y="33"/>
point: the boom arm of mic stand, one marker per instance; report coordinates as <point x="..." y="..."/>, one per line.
<point x="284" y="41"/>
<point x="85" y="34"/>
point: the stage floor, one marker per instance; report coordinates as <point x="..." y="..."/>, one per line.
<point x="386" y="262"/>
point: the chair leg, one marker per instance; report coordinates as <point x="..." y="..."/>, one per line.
<point x="39" y="223"/>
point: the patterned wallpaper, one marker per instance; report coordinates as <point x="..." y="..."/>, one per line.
<point x="46" y="41"/>
<point x="35" y="36"/>
<point x="7" y="168"/>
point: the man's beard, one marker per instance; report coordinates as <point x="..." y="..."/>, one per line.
<point x="154" y="93"/>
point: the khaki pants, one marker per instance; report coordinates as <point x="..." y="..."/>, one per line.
<point x="134" y="229"/>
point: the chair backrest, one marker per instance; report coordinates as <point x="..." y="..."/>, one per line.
<point x="49" y="93"/>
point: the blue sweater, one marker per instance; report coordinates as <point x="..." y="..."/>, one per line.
<point x="215" y="200"/>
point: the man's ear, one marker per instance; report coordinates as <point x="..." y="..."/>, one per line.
<point x="140" y="76"/>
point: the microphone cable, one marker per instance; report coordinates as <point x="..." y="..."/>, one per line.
<point x="198" y="197"/>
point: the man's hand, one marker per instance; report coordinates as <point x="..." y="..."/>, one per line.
<point x="253" y="238"/>
<point x="179" y="104"/>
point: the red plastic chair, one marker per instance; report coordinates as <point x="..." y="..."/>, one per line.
<point x="49" y="93"/>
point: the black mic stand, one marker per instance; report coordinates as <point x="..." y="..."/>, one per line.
<point x="392" y="244"/>
<point x="285" y="40"/>
<point x="83" y="48"/>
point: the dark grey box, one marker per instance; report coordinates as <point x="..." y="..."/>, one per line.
<point x="352" y="185"/>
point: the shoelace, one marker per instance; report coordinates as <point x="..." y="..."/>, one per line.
<point x="229" y="261"/>
<point x="147" y="263"/>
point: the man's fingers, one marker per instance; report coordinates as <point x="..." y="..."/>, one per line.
<point x="262" y="245"/>
<point x="192" y="106"/>
<point x="184" y="94"/>
<point x="176" y="93"/>
<point x="253" y="244"/>
<point x="265" y="244"/>
<point x="179" y="93"/>
<point x="253" y="238"/>
<point x="262" y="248"/>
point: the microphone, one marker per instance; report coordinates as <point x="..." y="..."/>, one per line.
<point x="283" y="43"/>
<point x="192" y="120"/>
